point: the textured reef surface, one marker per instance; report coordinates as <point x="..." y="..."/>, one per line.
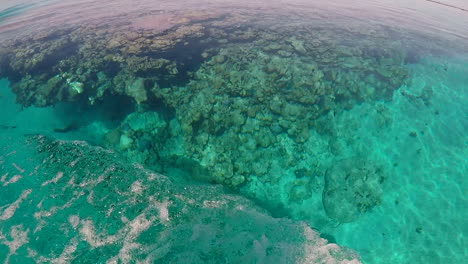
<point x="228" y="99"/>
<point x="108" y="211"/>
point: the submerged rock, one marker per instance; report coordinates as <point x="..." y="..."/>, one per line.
<point x="352" y="187"/>
<point x="243" y="95"/>
<point x="89" y="204"/>
<point x="137" y="91"/>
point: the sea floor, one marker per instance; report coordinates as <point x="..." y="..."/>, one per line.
<point x="422" y="218"/>
<point x="420" y="137"/>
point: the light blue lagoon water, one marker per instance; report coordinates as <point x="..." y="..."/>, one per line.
<point x="233" y="132"/>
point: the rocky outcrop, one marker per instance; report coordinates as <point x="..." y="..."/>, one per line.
<point x="73" y="203"/>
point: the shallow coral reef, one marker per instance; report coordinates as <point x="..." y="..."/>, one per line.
<point x="114" y="212"/>
<point x="239" y="105"/>
<point x="352" y="187"/>
<point x="241" y="101"/>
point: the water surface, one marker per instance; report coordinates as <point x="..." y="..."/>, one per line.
<point x="287" y="132"/>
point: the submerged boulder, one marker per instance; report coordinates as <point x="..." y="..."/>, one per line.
<point x="352" y="187"/>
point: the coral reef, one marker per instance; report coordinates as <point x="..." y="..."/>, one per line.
<point x="110" y="211"/>
<point x="315" y="112"/>
<point x="86" y="62"/>
<point x="244" y="102"/>
<point x="352" y="187"/>
<point x="140" y="137"/>
<point x="312" y="66"/>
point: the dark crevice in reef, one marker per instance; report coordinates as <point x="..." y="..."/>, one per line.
<point x="161" y="107"/>
<point x="188" y="58"/>
<point x="197" y="126"/>
<point x="114" y="109"/>
<point x="5" y="69"/>
<point x="111" y="68"/>
<point x="110" y="112"/>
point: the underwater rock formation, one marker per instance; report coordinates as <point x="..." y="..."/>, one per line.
<point x="236" y="91"/>
<point x="241" y="104"/>
<point x="352" y="187"/>
<point x="244" y="101"/>
<point x="256" y="61"/>
<point x="111" y="211"/>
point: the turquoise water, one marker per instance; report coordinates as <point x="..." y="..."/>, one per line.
<point x="234" y="133"/>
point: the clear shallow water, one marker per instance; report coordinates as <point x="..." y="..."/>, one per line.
<point x="357" y="128"/>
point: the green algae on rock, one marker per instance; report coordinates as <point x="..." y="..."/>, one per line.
<point x="245" y="102"/>
<point x="352" y="187"/>
<point x="111" y="211"/>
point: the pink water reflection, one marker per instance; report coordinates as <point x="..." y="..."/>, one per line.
<point x="421" y="15"/>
